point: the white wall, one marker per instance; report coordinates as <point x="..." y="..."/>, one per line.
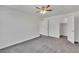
<point x="63" y="29"/>
<point x="54" y="27"/>
<point x="44" y="27"/>
<point x="71" y="29"/>
<point x="77" y="28"/>
<point x="50" y="27"/>
<point x="17" y="27"/>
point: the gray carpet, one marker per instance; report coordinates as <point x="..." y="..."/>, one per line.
<point x="43" y="44"/>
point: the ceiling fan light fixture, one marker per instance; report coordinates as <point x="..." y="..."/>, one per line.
<point x="43" y="11"/>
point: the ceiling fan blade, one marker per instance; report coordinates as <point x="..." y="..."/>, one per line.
<point x="37" y="7"/>
<point x="47" y="6"/>
<point x="49" y="10"/>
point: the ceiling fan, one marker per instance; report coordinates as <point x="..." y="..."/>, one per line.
<point x="44" y="9"/>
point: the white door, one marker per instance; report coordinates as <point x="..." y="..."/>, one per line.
<point x="54" y="27"/>
<point x="71" y="29"/>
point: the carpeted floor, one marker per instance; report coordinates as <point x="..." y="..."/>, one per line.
<point x="43" y="44"/>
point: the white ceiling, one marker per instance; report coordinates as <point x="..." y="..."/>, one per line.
<point x="57" y="9"/>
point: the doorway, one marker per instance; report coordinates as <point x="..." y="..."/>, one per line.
<point x="63" y="30"/>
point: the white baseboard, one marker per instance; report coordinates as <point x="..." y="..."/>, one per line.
<point x="44" y="34"/>
<point x="13" y="43"/>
